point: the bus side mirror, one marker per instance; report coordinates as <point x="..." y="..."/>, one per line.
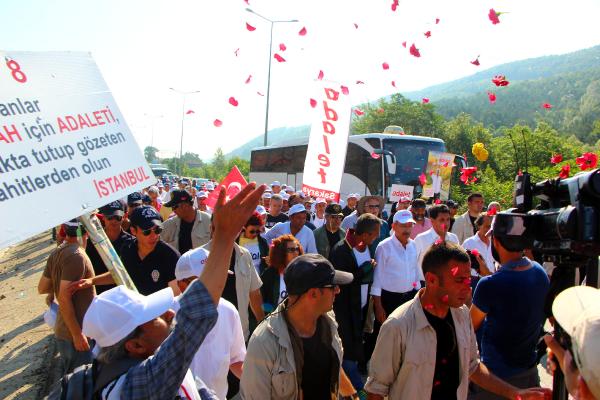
<point x="460" y="162"/>
<point x="390" y="159"/>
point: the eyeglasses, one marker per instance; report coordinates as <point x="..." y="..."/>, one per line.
<point x="293" y="249"/>
<point x="156" y="229"/>
<point x="115" y="218"/>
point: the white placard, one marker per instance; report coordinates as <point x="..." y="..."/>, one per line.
<point x="399" y="191"/>
<point x="326" y="154"/>
<point x="65" y="148"/>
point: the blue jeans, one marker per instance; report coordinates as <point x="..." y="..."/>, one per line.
<point x="70" y="357"/>
<point x="351" y="369"/>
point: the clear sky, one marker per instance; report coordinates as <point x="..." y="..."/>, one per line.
<point x="145" y="47"/>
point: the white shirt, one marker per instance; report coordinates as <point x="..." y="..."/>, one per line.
<point x="165" y="196"/>
<point x="254" y="250"/>
<point x="397" y="267"/>
<point x="224" y="345"/>
<point x="350" y="221"/>
<point x="436" y="183"/>
<point x="305" y="236"/>
<point x="282" y="289"/>
<point x="475" y="242"/>
<point x="424" y="240"/>
<point x="360" y="259"/>
<point x="318" y="222"/>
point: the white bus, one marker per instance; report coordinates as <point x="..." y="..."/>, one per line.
<point x="403" y="158"/>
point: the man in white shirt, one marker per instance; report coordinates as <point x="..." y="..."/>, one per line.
<point x="224" y="345"/>
<point x="483" y="246"/>
<point x="318" y="218"/>
<point x="397" y="276"/>
<point x="295" y="226"/>
<point x="439" y="215"/>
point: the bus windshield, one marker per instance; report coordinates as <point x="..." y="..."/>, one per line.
<point x="411" y="160"/>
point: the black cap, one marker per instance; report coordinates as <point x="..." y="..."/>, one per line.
<point x="145" y="217"/>
<point x="333" y="209"/>
<point x="146" y="199"/>
<point x="113" y="208"/>
<point x="312" y="271"/>
<point x="134" y="199"/>
<point x="452" y="204"/>
<point x="179" y="196"/>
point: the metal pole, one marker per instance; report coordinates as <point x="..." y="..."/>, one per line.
<point x="181" y="141"/>
<point x="268" y="85"/>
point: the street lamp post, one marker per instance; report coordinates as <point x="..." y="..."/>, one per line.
<point x="269" y="73"/>
<point x="182" y="120"/>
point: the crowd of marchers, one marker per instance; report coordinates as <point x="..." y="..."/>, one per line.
<point x="272" y="294"/>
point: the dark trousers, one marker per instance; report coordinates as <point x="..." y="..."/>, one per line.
<point x="524" y="380"/>
<point x="392" y="300"/>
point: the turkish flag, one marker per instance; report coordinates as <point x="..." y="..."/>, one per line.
<point x="234" y="182"/>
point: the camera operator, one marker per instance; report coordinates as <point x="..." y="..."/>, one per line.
<point x="577" y="311"/>
<point x="511" y="301"/>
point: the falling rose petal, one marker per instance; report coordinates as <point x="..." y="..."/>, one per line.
<point x="437" y="21"/>
<point x="250" y="27"/>
<point x="375" y="156"/>
<point x="248" y="79"/>
<point x="385" y="66"/>
<point x="260" y="94"/>
<point x="218" y="123"/>
<point x="395" y="5"/>
<point x="394" y="83"/>
<point x="587" y="161"/>
<point x="547" y="106"/>
<point x="313" y="103"/>
<point x="345" y="90"/>
<point x="476" y="62"/>
<point x="279" y="58"/>
<point x="425" y="100"/>
<point x="475" y="252"/>
<point x="555" y="159"/>
<point x="422" y="179"/>
<point x="500" y="80"/>
<point x="302" y="31"/>
<point x="282" y="47"/>
<point x="233" y="101"/>
<point x="438" y="201"/>
<point x="188" y="112"/>
<point x="358" y="111"/>
<point x="404" y="44"/>
<point x="428" y="306"/>
<point x="493" y="16"/>
<point x="431" y="173"/>
<point x="237" y="52"/>
<point x="491" y="97"/>
<point x="414" y="284"/>
<point x="565" y="171"/>
<point x="427" y="34"/>
<point x="467" y="281"/>
<point x="445" y="298"/>
<point x="454" y="271"/>
<point x="443" y="225"/>
<point x="355" y="25"/>
<point x="414" y="51"/>
<point x="437" y="383"/>
<point x="360" y="83"/>
<point x="520" y="173"/>
<point x="467" y="175"/>
<point x="380" y="111"/>
<point x="492" y="211"/>
<point x="321" y="75"/>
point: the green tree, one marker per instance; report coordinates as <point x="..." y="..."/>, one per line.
<point x="150" y="153"/>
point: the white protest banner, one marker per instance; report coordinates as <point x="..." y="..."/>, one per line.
<point x="326" y="154"/>
<point x="65" y="148"/>
<point x="399" y="191"/>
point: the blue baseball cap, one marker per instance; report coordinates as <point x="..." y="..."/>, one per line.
<point x="113" y="208"/>
<point x="145" y="217"/>
<point x="134" y="199"/>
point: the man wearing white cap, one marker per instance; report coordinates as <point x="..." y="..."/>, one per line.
<point x="577" y="311"/>
<point x="295" y="226"/>
<point x="351" y="201"/>
<point x="397" y="276"/>
<point x="318" y="217"/>
<point x="266" y="200"/>
<point x="290" y="190"/>
<point x="276" y="187"/>
<point x="136" y="329"/>
<point x="201" y="197"/>
<point x="224" y="345"/>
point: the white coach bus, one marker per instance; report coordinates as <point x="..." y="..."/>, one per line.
<point x="402" y="159"/>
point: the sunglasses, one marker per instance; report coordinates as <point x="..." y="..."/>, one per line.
<point x="156" y="229"/>
<point x="115" y="218"/>
<point x="293" y="250"/>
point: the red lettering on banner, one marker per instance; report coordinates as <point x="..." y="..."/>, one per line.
<point x="324" y="160"/>
<point x="330" y="113"/>
<point x="76" y="122"/>
<point x="98" y="118"/>
<point x="332" y="94"/>
<point x="82" y="122"/>
<point x="328" y="127"/>
<point x="326" y="143"/>
<point x="323" y="175"/>
<point x="61" y="125"/>
<point x="121" y="181"/>
<point x="321" y="193"/>
<point x="9" y="133"/>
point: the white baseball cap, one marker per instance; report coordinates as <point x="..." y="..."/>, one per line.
<point x="290" y="189"/>
<point x="403" y="217"/>
<point x="285" y="196"/>
<point x="404" y="199"/>
<point x="275" y="183"/>
<point x="267" y="195"/>
<point x="191" y="263"/>
<point x="116" y="313"/>
<point x="352" y="195"/>
<point x="577" y="310"/>
<point x="320" y="201"/>
<point x="295" y="209"/>
<point x="201" y="193"/>
<point x="261" y="210"/>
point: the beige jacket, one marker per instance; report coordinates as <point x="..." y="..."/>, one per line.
<point x="200" y="230"/>
<point x="269" y="367"/>
<point x="246" y="281"/>
<point x="462" y="227"/>
<point x="403" y="363"/>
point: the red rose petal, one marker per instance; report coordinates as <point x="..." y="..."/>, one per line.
<point x="425" y="100"/>
<point x="345" y="90"/>
<point x="355" y="25"/>
<point x="454" y="271"/>
<point x="427" y="34"/>
<point x="394" y="83"/>
<point x="437" y="201"/>
<point x="437" y="21"/>
<point x="385" y="66"/>
<point x="467" y="281"/>
<point x="302" y="31"/>
<point x="248" y="79"/>
<point x="404" y="44"/>
<point x="380" y="111"/>
<point x="188" y="112"/>
<point x="375" y="156"/>
<point x="233" y="101"/>
<point x="475" y="252"/>
<point x="358" y="112"/>
<point x="547" y="106"/>
<point x="250" y="27"/>
<point x="555" y="159"/>
<point x="493" y="16"/>
<point x="491" y="97"/>
<point x="428" y="306"/>
<point x="279" y="58"/>
<point x="587" y="161"/>
<point x="237" y="52"/>
<point x="282" y="47"/>
<point x="313" y="103"/>
<point x="414" y="51"/>
<point x="445" y="298"/>
<point x="218" y="123"/>
<point x="360" y="83"/>
<point x="414" y="284"/>
<point x="321" y="75"/>
<point x="500" y="80"/>
<point x="565" y="171"/>
<point x="476" y="62"/>
<point x="422" y="179"/>
<point x="260" y="94"/>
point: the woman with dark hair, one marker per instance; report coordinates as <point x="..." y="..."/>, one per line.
<point x="283" y="250"/>
<point x="250" y="239"/>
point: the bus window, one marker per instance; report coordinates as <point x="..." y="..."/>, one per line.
<point x="367" y="169"/>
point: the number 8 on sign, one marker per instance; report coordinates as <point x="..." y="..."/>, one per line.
<point x="16" y="72"/>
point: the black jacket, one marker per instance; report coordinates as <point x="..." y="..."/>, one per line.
<point x="348" y="312"/>
<point x="270" y="289"/>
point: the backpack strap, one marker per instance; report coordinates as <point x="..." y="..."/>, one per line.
<point x="106" y="373"/>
